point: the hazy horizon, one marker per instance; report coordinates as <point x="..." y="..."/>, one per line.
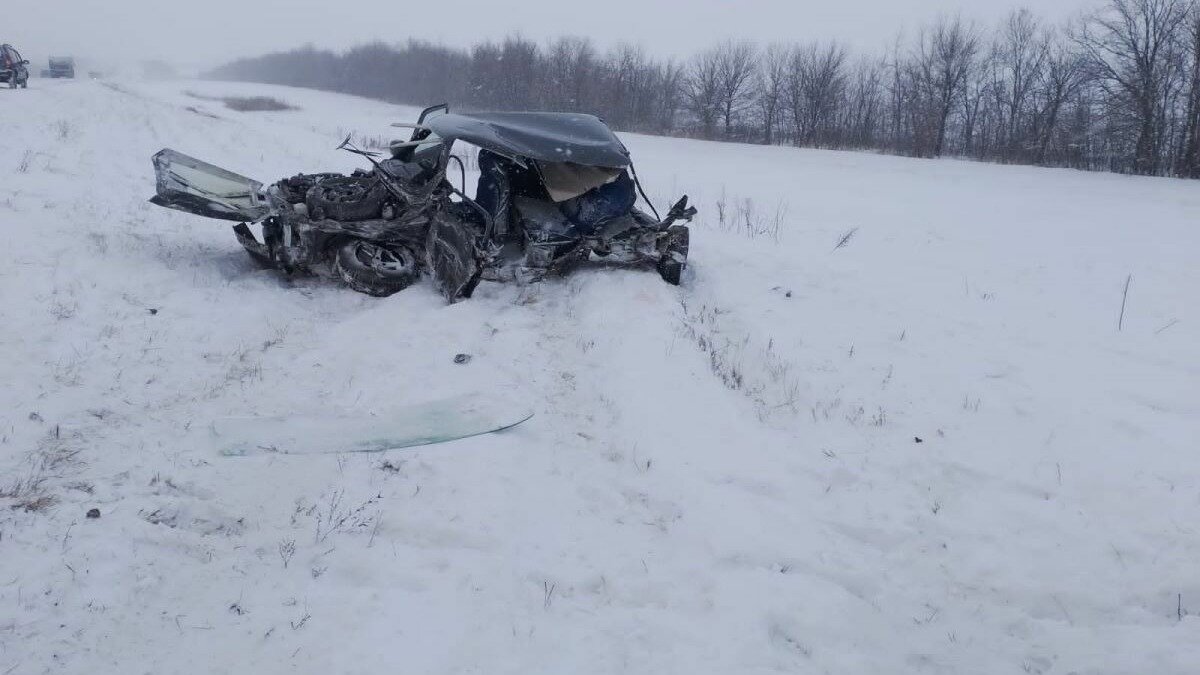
<point x="223" y="30"/>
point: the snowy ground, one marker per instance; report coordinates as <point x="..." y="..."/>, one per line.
<point x="721" y="478"/>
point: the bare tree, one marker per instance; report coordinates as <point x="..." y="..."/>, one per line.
<point x="816" y="89"/>
<point x="735" y="69"/>
<point x="703" y="90"/>
<point x="770" y="86"/>
<point x="1019" y="57"/>
<point x="941" y="63"/>
<point x="572" y="75"/>
<point x="519" y="71"/>
<point x="1061" y="78"/>
<point x="973" y="93"/>
<point x="901" y="96"/>
<point x="672" y="80"/>
<point x="1189" y="155"/>
<point x="864" y="103"/>
<point x="483" y="86"/>
<point x="1132" y="47"/>
<point x="631" y="75"/>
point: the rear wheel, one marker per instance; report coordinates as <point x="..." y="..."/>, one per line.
<point x="376" y="269"/>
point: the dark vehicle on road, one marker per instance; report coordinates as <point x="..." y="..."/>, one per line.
<point x="13" y="69"/>
<point x="61" y="66"/>
<point x="554" y="190"/>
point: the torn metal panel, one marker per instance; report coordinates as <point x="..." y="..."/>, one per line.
<point x="452" y="256"/>
<point x="188" y="184"/>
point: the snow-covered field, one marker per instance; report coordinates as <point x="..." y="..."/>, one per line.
<point x="721" y="478"/>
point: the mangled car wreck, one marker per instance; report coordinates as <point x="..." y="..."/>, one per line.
<point x="554" y="190"/>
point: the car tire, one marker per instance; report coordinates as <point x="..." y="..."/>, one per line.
<point x="375" y="269"/>
<point x="347" y="199"/>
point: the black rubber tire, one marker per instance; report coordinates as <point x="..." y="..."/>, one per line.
<point x="374" y="269"/>
<point x="347" y="199"/>
<point x="674" y="258"/>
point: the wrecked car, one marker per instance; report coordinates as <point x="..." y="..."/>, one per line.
<point x="12" y="67"/>
<point x="554" y="190"/>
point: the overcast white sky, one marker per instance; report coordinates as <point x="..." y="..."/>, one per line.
<point x="203" y="33"/>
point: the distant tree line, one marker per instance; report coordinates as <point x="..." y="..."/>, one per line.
<point x="1115" y="89"/>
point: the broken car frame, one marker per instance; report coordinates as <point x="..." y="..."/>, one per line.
<point x="555" y="189"/>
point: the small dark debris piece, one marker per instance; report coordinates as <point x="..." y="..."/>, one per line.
<point x="918" y="439"/>
<point x="153" y="311"/>
<point x="35" y="417"/>
<point x="462" y="358"/>
<point x="93" y="513"/>
<point x="391" y="467"/>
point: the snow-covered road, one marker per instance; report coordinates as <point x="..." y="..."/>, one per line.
<point x="723" y="477"/>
